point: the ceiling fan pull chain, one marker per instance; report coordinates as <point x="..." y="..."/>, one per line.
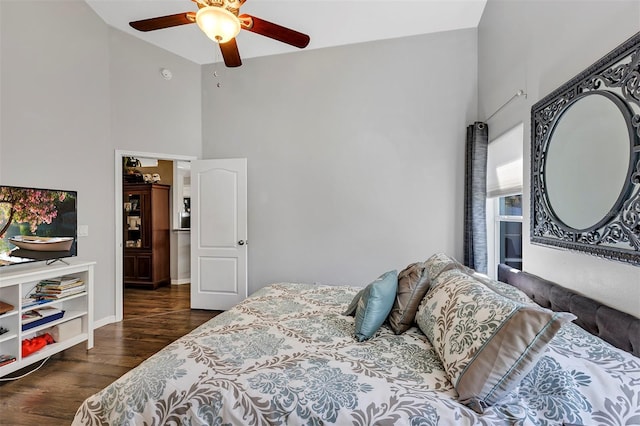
<point x="215" y="74"/>
<point x="215" y="69"/>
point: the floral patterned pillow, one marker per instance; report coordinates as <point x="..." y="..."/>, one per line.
<point x="441" y="262"/>
<point x="487" y="342"/>
<point x="504" y="289"/>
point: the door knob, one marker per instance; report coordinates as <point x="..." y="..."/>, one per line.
<point x="241" y="242"/>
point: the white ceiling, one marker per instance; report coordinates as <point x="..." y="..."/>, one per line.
<point x="327" y="22"/>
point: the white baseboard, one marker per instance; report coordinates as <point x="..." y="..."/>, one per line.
<point x="180" y="281"/>
<point x="104" y="321"/>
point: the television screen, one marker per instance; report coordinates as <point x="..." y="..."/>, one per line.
<point x="37" y="224"/>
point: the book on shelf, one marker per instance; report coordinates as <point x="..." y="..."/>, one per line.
<point x="31" y="301"/>
<point x="35" y="314"/>
<point x="48" y="294"/>
<point x="81" y="285"/>
<point x="36" y="317"/>
<point x="6" y="359"/>
<point x="60" y="280"/>
<point x="60" y="287"/>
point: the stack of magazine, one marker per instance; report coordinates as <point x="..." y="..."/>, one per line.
<point x="58" y="288"/>
<point x="36" y="317"/>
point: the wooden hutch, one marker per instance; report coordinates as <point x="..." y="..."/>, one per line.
<point x="146" y="234"/>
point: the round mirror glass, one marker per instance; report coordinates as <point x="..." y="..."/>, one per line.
<point x="587" y="160"/>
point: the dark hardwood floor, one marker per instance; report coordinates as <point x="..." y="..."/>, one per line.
<point x="51" y="395"/>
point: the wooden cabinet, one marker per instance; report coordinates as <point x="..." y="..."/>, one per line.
<point x="17" y="284"/>
<point x="146" y="234"/>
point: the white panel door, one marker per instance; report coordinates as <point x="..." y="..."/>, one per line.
<point x="218" y="233"/>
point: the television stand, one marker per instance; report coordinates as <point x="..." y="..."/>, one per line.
<point x="75" y="325"/>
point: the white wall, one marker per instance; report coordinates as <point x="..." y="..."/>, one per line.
<point x="538" y="46"/>
<point x="149" y="113"/>
<point x="355" y="154"/>
<point x="74" y="91"/>
<point x="55" y="116"/>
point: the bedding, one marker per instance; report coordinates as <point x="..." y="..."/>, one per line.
<point x="287" y="355"/>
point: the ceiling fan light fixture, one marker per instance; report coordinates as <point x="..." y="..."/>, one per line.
<point x="217" y="23"/>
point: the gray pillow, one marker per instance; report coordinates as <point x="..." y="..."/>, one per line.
<point x="351" y="309"/>
<point x="413" y="283"/>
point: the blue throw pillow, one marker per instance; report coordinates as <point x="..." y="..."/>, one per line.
<point x="375" y="304"/>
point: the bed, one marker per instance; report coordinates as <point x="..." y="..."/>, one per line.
<point x="288" y="355"/>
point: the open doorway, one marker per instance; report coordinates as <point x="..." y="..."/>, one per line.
<point x="146" y="195"/>
<point x="179" y="235"/>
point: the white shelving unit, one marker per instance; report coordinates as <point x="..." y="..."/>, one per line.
<point x="15" y="284"/>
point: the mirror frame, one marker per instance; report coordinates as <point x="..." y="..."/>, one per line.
<point x="617" y="235"/>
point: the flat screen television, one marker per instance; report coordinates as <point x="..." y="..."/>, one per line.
<point x="37" y="224"/>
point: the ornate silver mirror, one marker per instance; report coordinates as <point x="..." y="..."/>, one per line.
<point x="585" y="160"/>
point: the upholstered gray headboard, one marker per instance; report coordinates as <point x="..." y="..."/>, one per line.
<point x="618" y="328"/>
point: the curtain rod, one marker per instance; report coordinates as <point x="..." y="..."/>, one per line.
<point x="517" y="95"/>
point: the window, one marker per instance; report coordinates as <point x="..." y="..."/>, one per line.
<point x="508" y="230"/>
<point x="504" y="200"/>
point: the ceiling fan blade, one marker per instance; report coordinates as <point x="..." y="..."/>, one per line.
<point x="164" y="21"/>
<point x="230" y="53"/>
<point x="274" y="31"/>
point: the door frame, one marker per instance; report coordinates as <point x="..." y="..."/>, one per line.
<point x="119" y="250"/>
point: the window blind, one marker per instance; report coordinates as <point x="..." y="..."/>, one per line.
<point x="504" y="163"/>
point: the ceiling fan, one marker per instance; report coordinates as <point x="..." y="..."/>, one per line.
<point x="220" y="21"/>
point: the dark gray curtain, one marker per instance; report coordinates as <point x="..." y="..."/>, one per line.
<point x="475" y="197"/>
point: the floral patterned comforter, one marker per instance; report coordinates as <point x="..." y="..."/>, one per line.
<point x="286" y="356"/>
